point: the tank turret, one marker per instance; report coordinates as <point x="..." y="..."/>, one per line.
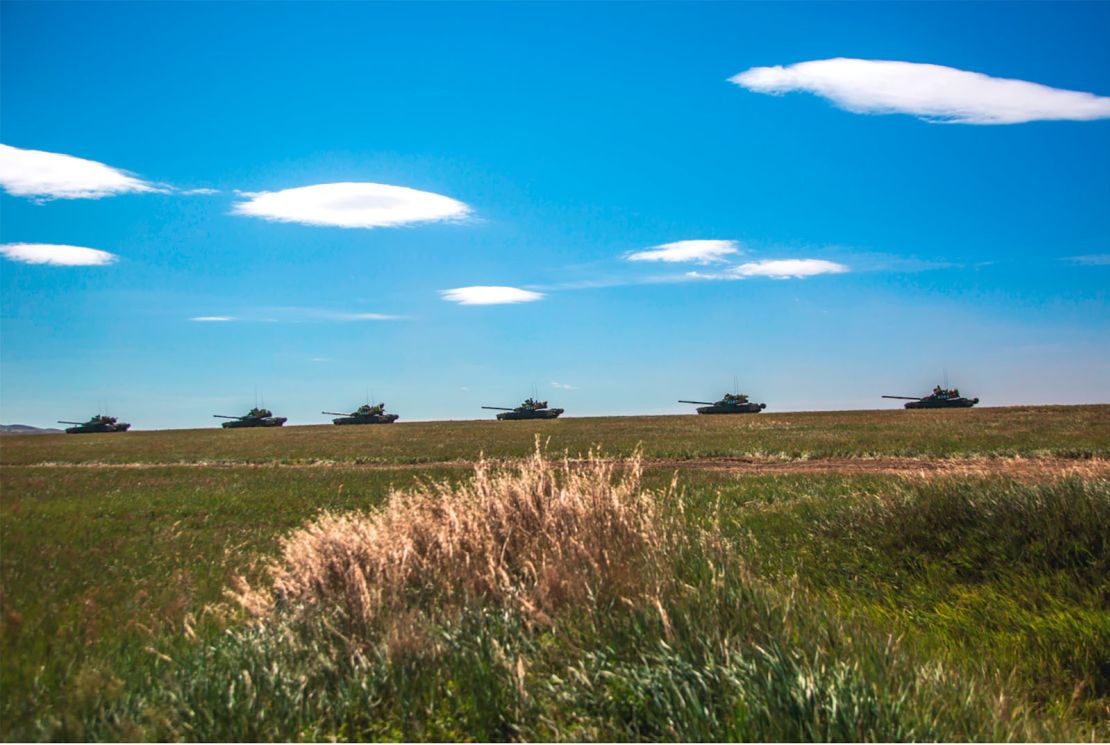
<point x="530" y="409"/>
<point x="365" y="414"/>
<point x="940" y="398"/>
<point x="98" y="423"/>
<point x="256" y="417"/>
<point x="731" y="403"/>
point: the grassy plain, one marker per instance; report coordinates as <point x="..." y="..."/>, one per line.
<point x="1073" y="431"/>
<point x="911" y="607"/>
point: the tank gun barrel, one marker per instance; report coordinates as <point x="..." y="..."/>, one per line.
<point x="335" y="413"/>
<point x="227" y="416"/>
<point x="905" y="398"/>
<point x="497" y="408"/>
<point x="706" y="403"/>
<point x="63" y="421"/>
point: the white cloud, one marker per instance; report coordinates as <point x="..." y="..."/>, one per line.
<point x="42" y="175"/>
<point x="1090" y="260"/>
<point x="194" y="192"/>
<point x="930" y="92"/>
<point x="564" y="386"/>
<point x="777" y="269"/>
<point x="302" y="315"/>
<point x="701" y="252"/>
<point x="56" y="255"/>
<point x="351" y="205"/>
<point x="487" y="295"/>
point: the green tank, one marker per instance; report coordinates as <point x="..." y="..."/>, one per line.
<point x="254" y="418"/>
<point x="732" y="403"/>
<point x="940" y="398"/>
<point x="98" y="423"/>
<point x="365" y="414"/>
<point x="530" y="409"/>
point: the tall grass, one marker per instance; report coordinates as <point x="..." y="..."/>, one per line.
<point x="545" y="601"/>
<point x="538" y="537"/>
<point x="984" y="574"/>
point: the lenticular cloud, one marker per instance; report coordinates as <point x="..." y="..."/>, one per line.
<point x="930" y="92"/>
<point x="787" y="268"/>
<point x="489" y="295"/>
<point x="56" y="255"/>
<point x="42" y="175"/>
<point x="776" y="269"/>
<point x="701" y="252"/>
<point x="352" y="205"/>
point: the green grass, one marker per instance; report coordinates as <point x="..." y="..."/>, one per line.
<point x="853" y="606"/>
<point x="975" y="572"/>
<point x="1070" y="431"/>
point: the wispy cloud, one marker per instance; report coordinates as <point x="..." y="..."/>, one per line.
<point x="56" y="255"/>
<point x="291" y="314"/>
<point x="489" y="295"/>
<point x="351" y="205"/>
<point x="777" y="269"/>
<point x="196" y="192"/>
<point x="930" y="92"/>
<point x="564" y="386"/>
<point x="695" y="251"/>
<point x="769" y="268"/>
<point x="324" y="314"/>
<point x="885" y="262"/>
<point x="38" y="174"/>
<point x="1090" y="260"/>
<point x="613" y="281"/>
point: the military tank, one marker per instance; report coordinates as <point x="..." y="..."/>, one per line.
<point x="940" y="398"/>
<point x="732" y="403"/>
<point x="254" y="418"/>
<point x="365" y="414"/>
<point x="98" y="423"/>
<point x="530" y="409"/>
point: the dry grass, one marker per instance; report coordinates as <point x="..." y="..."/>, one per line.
<point x="537" y="536"/>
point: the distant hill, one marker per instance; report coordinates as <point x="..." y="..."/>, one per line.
<point x="26" y="429"/>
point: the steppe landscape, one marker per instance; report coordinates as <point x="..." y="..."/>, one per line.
<point x="868" y="575"/>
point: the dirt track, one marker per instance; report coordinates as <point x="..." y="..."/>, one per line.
<point x="921" y="467"/>
<point x="907" y="466"/>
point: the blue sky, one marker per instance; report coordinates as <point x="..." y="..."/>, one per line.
<point x="548" y="144"/>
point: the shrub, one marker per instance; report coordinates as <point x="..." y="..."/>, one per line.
<point x="537" y="536"/>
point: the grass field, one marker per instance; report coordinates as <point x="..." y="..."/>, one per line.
<point x="858" y="575"/>
<point x="1072" y="431"/>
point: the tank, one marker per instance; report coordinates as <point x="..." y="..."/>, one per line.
<point x="732" y="403"/>
<point x="98" y="423"/>
<point x="940" y="398"/>
<point x="530" y="409"/>
<point x="254" y="418"/>
<point x="365" y="414"/>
